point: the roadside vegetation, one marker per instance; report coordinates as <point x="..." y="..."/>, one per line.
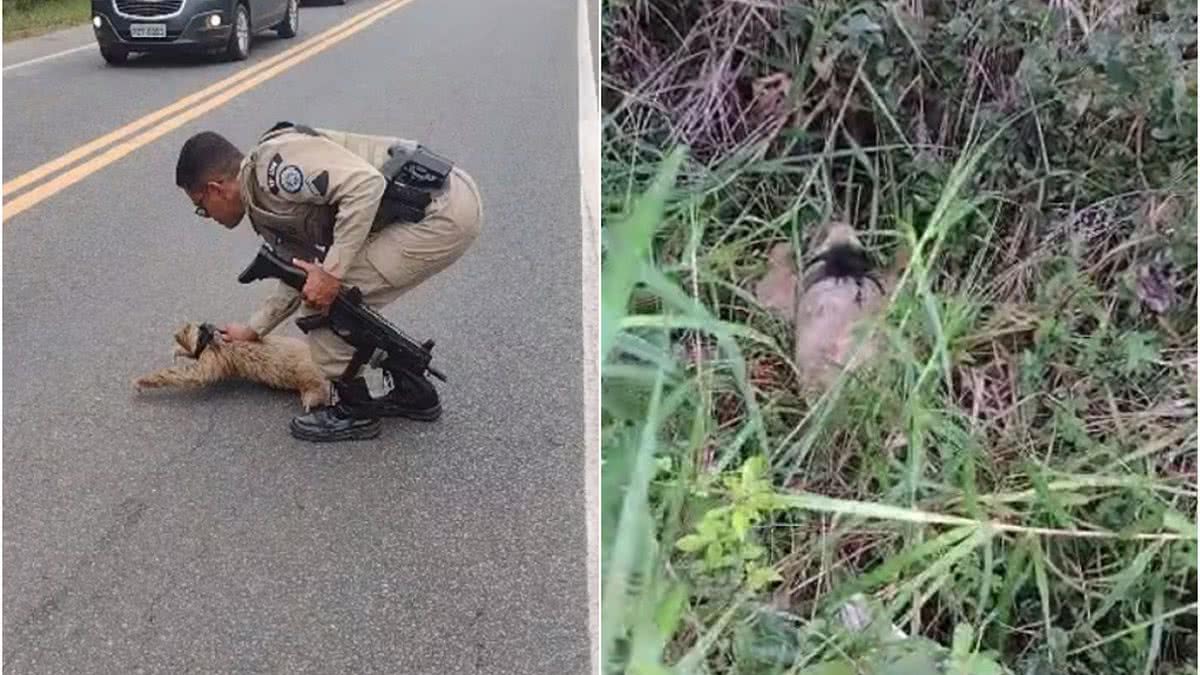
<point x="30" y="18"/>
<point x="1013" y="488"/>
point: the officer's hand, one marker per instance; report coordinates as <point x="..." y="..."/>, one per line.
<point x="320" y="287"/>
<point x="236" y="331"/>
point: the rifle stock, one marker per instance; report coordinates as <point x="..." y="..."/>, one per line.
<point x="373" y="337"/>
<point x="267" y="265"/>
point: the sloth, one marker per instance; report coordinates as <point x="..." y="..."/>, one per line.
<point x="276" y="361"/>
<point x="827" y="303"/>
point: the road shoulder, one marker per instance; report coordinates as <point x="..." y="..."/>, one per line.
<point x="28" y="49"/>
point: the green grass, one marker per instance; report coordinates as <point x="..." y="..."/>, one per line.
<point x="1013" y="487"/>
<point x="29" y="18"/>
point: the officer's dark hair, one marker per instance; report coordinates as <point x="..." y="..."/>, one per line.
<point x="204" y="157"/>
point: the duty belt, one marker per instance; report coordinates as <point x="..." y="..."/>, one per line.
<point x="412" y="178"/>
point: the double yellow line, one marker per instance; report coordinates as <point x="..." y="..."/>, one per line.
<point x="177" y="114"/>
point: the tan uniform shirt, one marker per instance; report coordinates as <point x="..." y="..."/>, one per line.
<point x="306" y="193"/>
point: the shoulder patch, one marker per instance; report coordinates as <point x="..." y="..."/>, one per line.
<point x="320" y="184"/>
<point x="272" y="170"/>
<point x="291" y="178"/>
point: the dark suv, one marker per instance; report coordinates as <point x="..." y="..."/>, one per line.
<point x="207" y="26"/>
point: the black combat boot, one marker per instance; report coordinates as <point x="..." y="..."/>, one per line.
<point x="412" y="396"/>
<point x="347" y="419"/>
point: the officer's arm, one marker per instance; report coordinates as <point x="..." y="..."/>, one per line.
<point x="274" y="309"/>
<point x="356" y="188"/>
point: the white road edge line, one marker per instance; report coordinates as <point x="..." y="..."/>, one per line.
<point x="589" y="207"/>
<point x="49" y="56"/>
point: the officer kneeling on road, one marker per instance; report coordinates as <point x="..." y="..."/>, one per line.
<point x="380" y="213"/>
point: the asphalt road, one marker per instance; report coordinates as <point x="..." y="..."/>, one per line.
<point x="188" y="532"/>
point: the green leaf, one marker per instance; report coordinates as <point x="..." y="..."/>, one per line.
<point x="1047" y="498"/>
<point x="753" y="469"/>
<point x="1140" y="349"/>
<point x="964" y="661"/>
<point x="759" y="576"/>
<point x="691" y="543"/>
<point x="741" y="523"/>
<point x="917" y="662"/>
<point x="859" y="25"/>
<point x="713" y="555"/>
<point x="1177" y="522"/>
<point x="1043" y="587"/>
<point x="710" y="526"/>
<point x="753" y="552"/>
<point x="1119" y="75"/>
<point x="766" y="502"/>
<point x="663" y="464"/>
<point x="670" y="611"/>
<point x="964" y="640"/>
<point x="1123" y="583"/>
<point x="629" y="245"/>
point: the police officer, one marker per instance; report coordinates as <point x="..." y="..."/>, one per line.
<point x="380" y="213"/>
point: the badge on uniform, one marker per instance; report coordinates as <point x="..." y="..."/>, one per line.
<point x="320" y="184"/>
<point x="272" y="168"/>
<point x="291" y="178"/>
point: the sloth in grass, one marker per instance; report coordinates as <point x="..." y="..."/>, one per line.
<point x="828" y="303"/>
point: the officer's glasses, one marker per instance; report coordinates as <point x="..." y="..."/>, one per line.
<point x="199" y="203"/>
<point x="200" y="210"/>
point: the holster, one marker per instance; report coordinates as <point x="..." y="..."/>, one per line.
<point x="412" y="179"/>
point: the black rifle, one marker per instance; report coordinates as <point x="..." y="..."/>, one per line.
<point x="373" y="337"/>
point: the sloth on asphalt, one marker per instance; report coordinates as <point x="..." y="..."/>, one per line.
<point x="276" y="361"/>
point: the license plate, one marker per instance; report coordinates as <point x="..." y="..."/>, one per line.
<point x="148" y="30"/>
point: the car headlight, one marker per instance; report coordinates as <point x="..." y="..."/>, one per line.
<point x="96" y="21"/>
<point x="214" y="20"/>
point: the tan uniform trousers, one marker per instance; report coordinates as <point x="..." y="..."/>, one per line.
<point x="401" y="256"/>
